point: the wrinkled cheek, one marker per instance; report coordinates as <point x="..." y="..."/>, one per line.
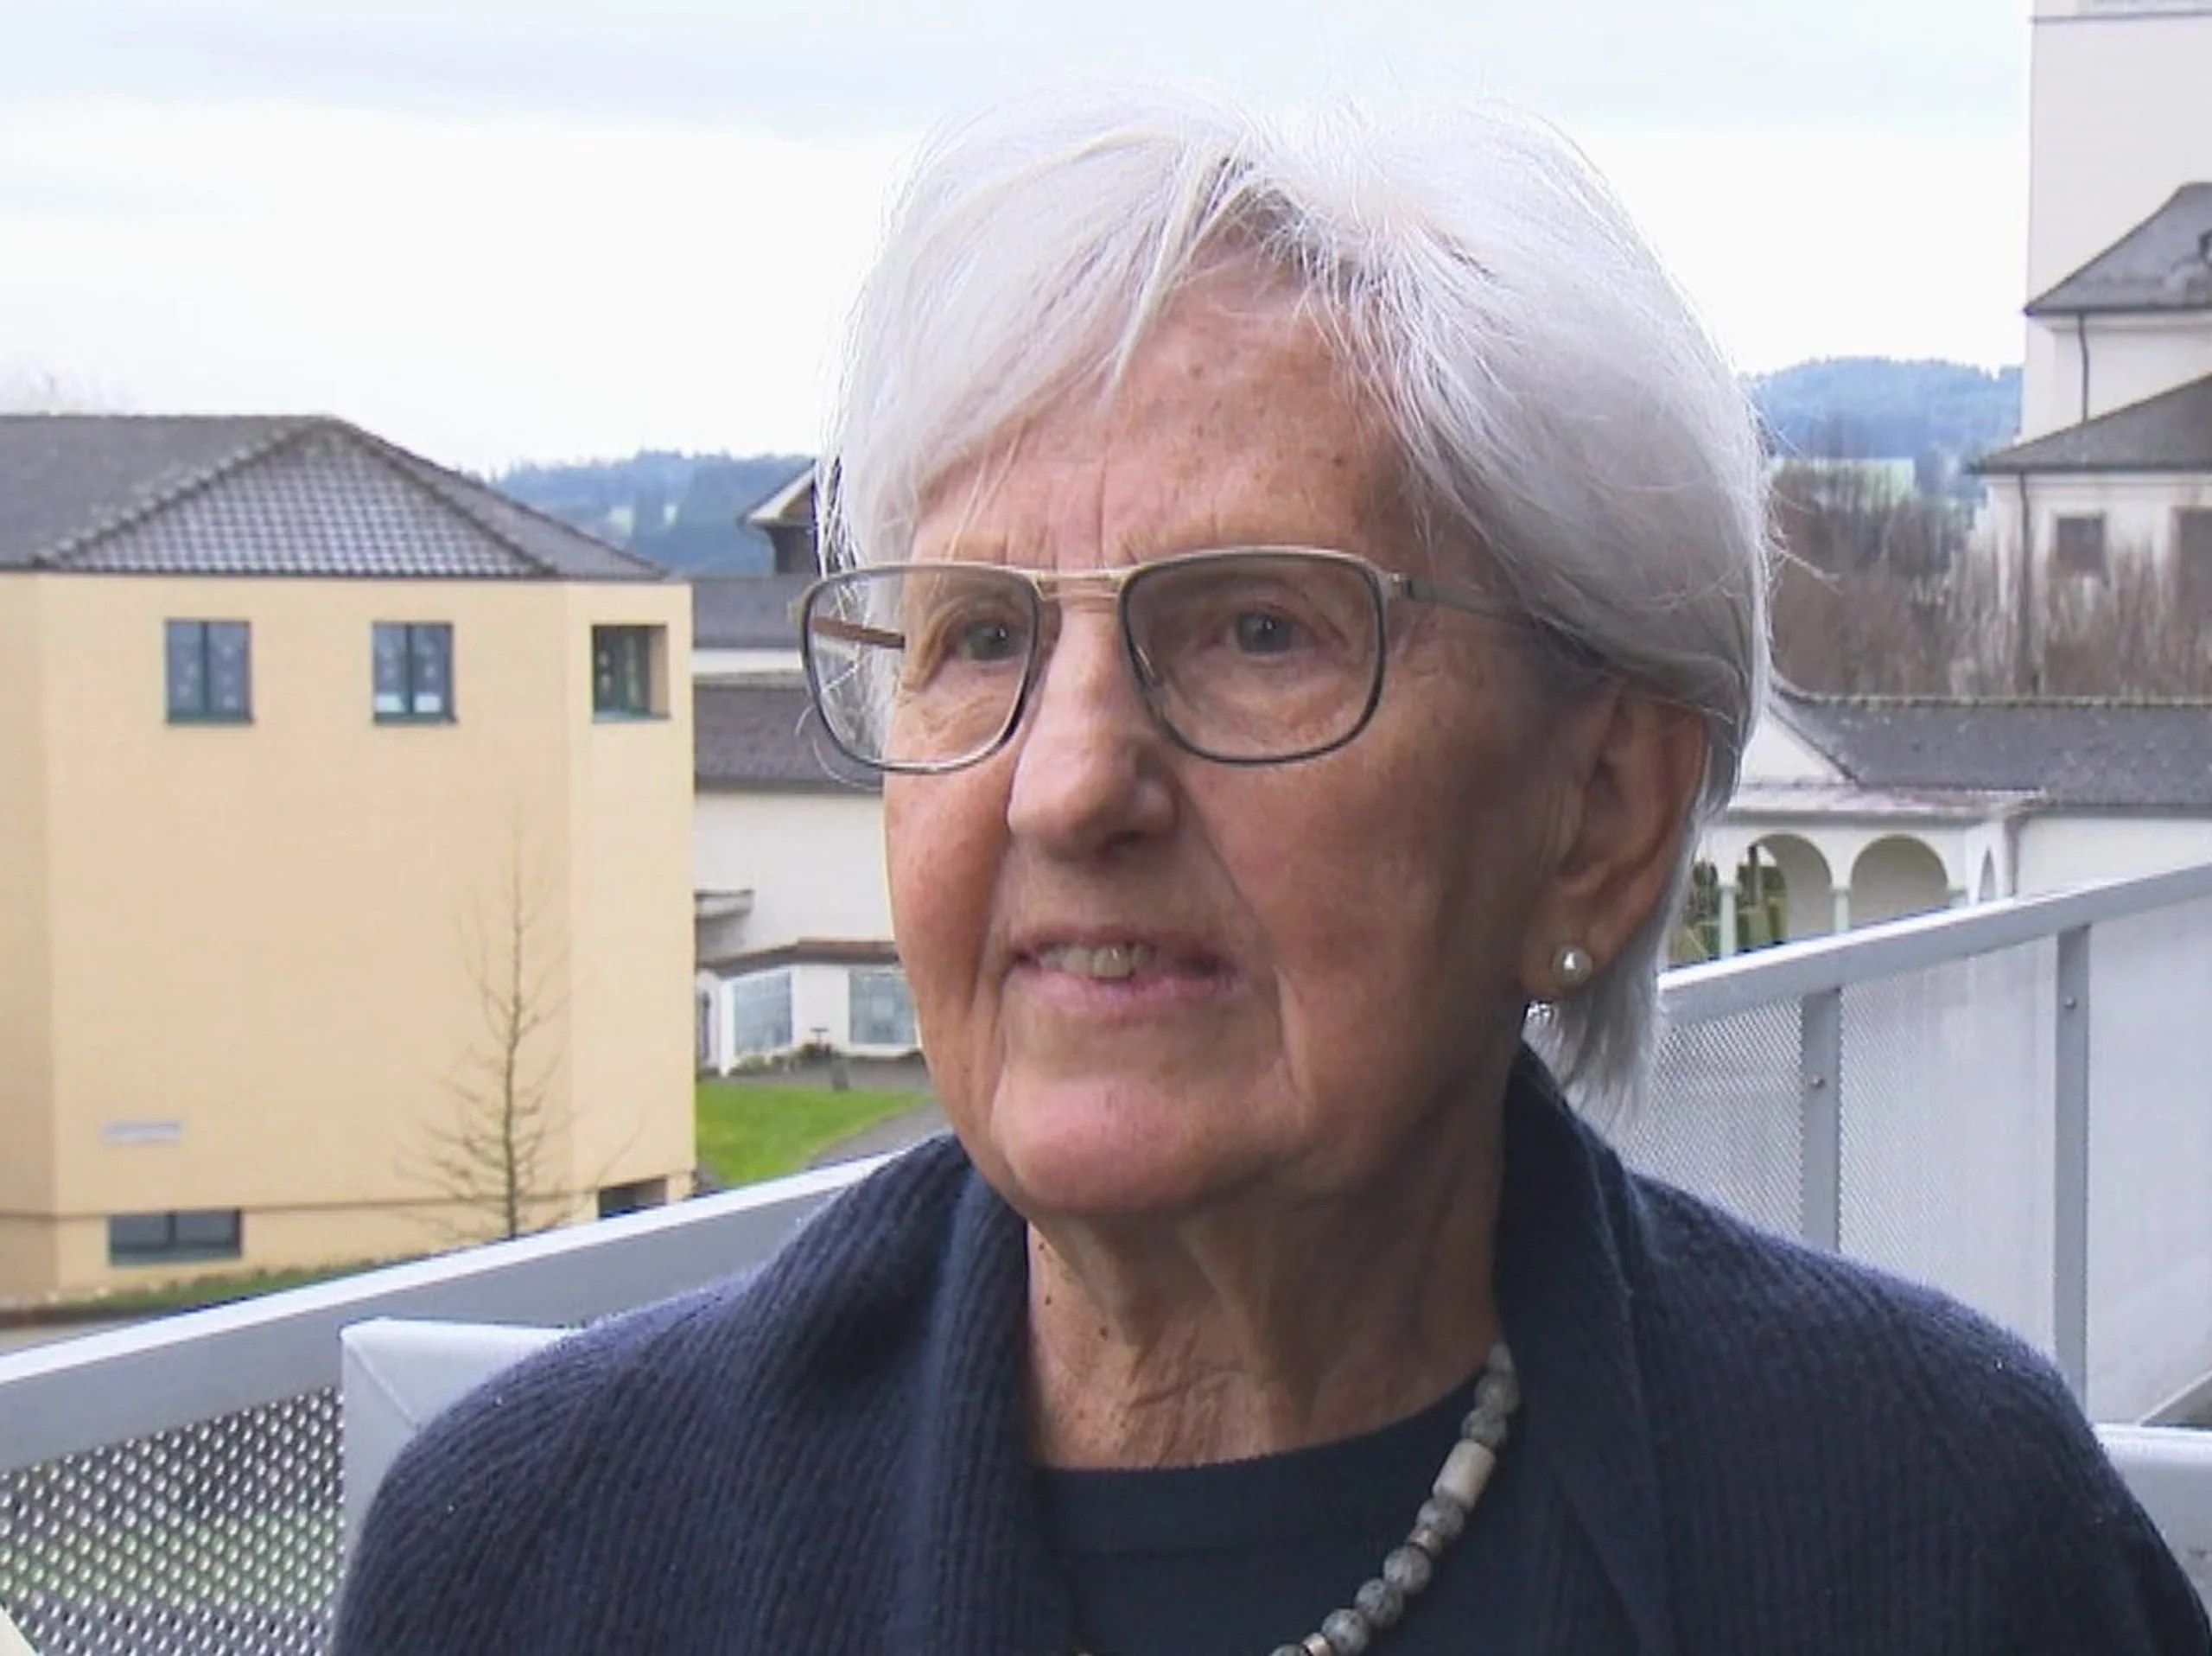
<point x="940" y="864"/>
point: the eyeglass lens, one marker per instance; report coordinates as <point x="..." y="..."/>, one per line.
<point x="1246" y="656"/>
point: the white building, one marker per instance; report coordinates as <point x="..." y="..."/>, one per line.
<point x="1856" y="809"/>
<point x="792" y="911"/>
<point x="2116" y="456"/>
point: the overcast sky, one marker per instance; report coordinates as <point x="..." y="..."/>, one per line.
<point x="539" y="229"/>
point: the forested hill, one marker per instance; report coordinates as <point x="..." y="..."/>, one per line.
<point x="1880" y="408"/>
<point x="687" y="510"/>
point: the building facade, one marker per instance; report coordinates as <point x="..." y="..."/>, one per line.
<point x="793" y="906"/>
<point x="2115" y="463"/>
<point x="343" y="819"/>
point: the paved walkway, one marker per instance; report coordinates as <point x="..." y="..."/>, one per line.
<point x="893" y="1133"/>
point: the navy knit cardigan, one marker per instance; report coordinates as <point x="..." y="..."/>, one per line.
<point x="1735" y="1445"/>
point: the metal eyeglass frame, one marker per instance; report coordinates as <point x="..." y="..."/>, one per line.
<point x="1048" y="589"/>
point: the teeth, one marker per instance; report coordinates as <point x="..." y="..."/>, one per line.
<point x="1107" y="960"/>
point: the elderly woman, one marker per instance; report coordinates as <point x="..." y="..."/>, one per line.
<point x="1303" y="596"/>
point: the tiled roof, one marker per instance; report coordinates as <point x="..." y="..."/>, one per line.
<point x="2163" y="264"/>
<point x="2170" y="432"/>
<point x="2084" y="755"/>
<point x="762" y="733"/>
<point x="212" y="496"/>
<point x="746" y="611"/>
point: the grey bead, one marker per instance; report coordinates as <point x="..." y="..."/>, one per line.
<point x="1498" y="1392"/>
<point x="1346" y="1631"/>
<point x="1444" y="1515"/>
<point x="1288" y="1650"/>
<point x="1408" y="1569"/>
<point x="1381" y="1603"/>
<point x="1486" y="1427"/>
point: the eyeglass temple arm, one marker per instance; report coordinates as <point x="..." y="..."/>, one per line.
<point x="857" y="633"/>
<point x="1454" y="596"/>
<point x="1449" y="594"/>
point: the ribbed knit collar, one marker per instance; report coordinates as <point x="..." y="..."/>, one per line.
<point x="976" y="1574"/>
<point x="1569" y="1233"/>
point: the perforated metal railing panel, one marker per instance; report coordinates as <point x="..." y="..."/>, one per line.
<point x="1720" y="1118"/>
<point x="2150" y="1153"/>
<point x="1946" y="1129"/>
<point x="220" y="1539"/>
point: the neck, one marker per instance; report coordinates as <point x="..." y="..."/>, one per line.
<point x="1266" y="1324"/>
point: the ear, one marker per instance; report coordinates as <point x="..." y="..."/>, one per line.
<point x="1632" y="768"/>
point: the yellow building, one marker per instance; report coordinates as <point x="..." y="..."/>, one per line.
<point x="345" y="895"/>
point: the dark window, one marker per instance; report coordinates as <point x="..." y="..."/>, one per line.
<point x="210" y="671"/>
<point x="882" y="1009"/>
<point x="624" y="682"/>
<point x="615" y="1199"/>
<point x="2080" y="545"/>
<point x="181" y="1236"/>
<point x="413" y="670"/>
<point x="2193" y="560"/>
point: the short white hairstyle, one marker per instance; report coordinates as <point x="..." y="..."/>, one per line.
<point x="1556" y="406"/>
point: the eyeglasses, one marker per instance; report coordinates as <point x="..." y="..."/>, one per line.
<point x="1248" y="656"/>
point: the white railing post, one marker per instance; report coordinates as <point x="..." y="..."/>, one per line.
<point x="2070" y="1281"/>
<point x="1819" y="1093"/>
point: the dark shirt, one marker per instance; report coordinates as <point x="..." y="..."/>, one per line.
<point x="1240" y="1558"/>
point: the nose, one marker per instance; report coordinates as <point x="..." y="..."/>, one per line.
<point x="1090" y="770"/>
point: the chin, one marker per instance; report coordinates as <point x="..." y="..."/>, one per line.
<point x="1103" y="1151"/>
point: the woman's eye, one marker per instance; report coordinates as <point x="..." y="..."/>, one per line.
<point x="987" y="640"/>
<point x="1260" y="633"/>
<point x="975" y="637"/>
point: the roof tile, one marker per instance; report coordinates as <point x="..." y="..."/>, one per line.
<point x="2170" y="432"/>
<point x="2085" y="754"/>
<point x="746" y="611"/>
<point x="2163" y="263"/>
<point x="763" y="734"/>
<point x="199" y="496"/>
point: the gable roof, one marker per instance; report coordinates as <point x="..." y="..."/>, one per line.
<point x="2170" y="432"/>
<point x="791" y="504"/>
<point x="745" y="612"/>
<point x="761" y="733"/>
<point x="2085" y="754"/>
<point x="2163" y="264"/>
<point x="198" y="494"/>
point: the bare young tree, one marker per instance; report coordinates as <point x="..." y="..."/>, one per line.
<point x="2131" y="634"/>
<point x="496" y="1157"/>
<point x="1864" y="634"/>
<point x="1878" y="594"/>
<point x="1861" y="596"/>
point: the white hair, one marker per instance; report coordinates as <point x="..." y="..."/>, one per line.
<point x="1555" y="403"/>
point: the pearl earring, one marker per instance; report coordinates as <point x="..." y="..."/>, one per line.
<point x="1573" y="965"/>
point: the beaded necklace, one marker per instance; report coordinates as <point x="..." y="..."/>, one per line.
<point x="1380" y="1604"/>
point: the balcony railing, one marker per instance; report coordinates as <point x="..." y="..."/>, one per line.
<point x="2013" y="1103"/>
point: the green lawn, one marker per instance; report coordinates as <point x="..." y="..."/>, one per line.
<point x="750" y="1131"/>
